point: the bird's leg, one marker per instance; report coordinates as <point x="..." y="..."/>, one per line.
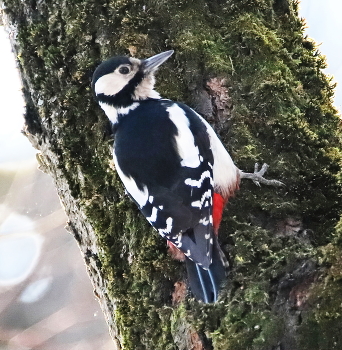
<point x="257" y="176"/>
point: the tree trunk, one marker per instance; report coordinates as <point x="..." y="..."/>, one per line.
<point x="245" y="65"/>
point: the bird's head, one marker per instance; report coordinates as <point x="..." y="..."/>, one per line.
<point x="120" y="81"/>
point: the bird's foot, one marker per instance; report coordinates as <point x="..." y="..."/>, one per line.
<point x="257" y="176"/>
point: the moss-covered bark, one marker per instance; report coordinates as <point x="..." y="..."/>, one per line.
<point x="246" y="66"/>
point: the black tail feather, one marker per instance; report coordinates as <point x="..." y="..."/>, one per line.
<point x="205" y="284"/>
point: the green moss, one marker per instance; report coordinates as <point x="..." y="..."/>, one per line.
<point x="322" y="325"/>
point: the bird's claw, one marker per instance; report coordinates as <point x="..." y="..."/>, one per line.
<point x="257" y="176"/>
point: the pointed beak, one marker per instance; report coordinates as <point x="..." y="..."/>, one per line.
<point x="152" y="63"/>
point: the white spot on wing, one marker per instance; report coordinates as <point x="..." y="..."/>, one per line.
<point x="206" y="195"/>
<point x="204" y="222"/>
<point x="196" y="204"/>
<point x="168" y="228"/>
<point x="204" y="200"/>
<point x="178" y="242"/>
<point x="198" y="183"/>
<point x="153" y="216"/>
<point x="184" y="139"/>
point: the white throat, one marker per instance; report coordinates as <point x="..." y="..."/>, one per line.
<point x="146" y="89"/>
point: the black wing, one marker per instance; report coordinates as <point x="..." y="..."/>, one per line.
<point x="162" y="150"/>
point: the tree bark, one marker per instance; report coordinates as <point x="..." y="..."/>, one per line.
<point x="246" y="66"/>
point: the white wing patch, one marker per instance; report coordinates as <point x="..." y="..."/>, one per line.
<point x="184" y="139"/>
<point x="140" y="196"/>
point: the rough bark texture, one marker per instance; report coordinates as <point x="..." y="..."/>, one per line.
<point x="245" y="65"/>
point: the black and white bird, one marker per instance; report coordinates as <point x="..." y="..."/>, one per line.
<point x="171" y="163"/>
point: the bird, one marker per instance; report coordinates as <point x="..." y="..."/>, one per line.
<point x="172" y="165"/>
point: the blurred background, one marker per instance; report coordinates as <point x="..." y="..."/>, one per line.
<point x="46" y="298"/>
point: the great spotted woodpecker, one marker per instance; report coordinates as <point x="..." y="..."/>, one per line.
<point x="171" y="163"/>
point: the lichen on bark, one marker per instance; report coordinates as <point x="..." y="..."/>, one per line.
<point x="249" y="69"/>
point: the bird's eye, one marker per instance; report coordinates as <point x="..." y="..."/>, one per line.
<point x="124" y="70"/>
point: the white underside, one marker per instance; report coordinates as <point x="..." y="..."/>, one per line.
<point x="225" y="172"/>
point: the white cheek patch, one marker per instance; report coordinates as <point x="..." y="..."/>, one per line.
<point x="184" y="139"/>
<point x="140" y="196"/>
<point x="110" y="84"/>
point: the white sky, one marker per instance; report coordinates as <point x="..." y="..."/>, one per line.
<point x="13" y="145"/>
<point x="324" y="21"/>
<point x="324" y="26"/>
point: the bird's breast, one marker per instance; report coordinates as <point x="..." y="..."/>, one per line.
<point x="145" y="148"/>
